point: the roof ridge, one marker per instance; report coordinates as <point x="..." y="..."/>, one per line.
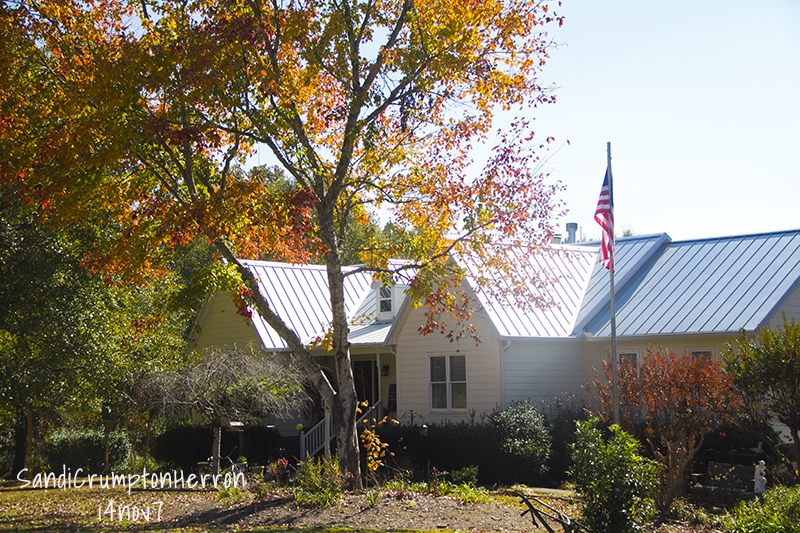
<point x="740" y="236"/>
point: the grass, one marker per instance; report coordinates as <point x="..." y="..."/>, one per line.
<point x="98" y="510"/>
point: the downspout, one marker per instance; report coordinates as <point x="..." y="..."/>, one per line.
<point x="503" y="349"/>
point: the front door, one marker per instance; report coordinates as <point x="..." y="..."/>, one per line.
<point x="364" y="377"/>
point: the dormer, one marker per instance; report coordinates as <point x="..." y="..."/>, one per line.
<point x="387" y="300"/>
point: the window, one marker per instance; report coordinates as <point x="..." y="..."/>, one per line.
<point x="448" y="382"/>
<point x="385" y="300"/>
<point x="706" y="353"/>
<point x="629" y="357"/>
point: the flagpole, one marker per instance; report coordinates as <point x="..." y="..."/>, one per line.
<point x="614" y="355"/>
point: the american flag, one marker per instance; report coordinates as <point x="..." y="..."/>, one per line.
<point x="604" y="215"/>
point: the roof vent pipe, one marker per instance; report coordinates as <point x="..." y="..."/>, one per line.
<point x="572" y="230"/>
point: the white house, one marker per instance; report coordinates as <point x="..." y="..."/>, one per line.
<point x="692" y="296"/>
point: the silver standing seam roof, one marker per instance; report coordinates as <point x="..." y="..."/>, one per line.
<point x="300" y="294"/>
<point x="564" y="271"/>
<point x="702" y="286"/>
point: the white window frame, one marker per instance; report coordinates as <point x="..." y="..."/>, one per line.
<point x="380" y="298"/>
<point x="449" y="381"/>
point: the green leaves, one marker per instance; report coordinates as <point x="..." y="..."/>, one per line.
<point x="766" y="375"/>
<point x="613" y="480"/>
<point x="523" y="432"/>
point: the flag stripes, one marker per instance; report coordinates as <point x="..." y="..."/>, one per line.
<point x="604" y="215"/>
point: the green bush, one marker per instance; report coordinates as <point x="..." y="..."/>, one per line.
<point x="81" y="448"/>
<point x="562" y="412"/>
<point x="468" y="475"/>
<point x="524" y="434"/>
<point x="614" y="481"/>
<point x="451" y="447"/>
<point x="778" y="511"/>
<point x="318" y="482"/>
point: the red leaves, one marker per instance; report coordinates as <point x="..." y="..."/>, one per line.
<point x="243" y="300"/>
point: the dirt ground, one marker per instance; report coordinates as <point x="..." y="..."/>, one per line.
<point x="391" y="511"/>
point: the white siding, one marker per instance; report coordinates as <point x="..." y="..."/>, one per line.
<point x="541" y="369"/>
<point x="483" y="370"/>
<point x="791" y="307"/>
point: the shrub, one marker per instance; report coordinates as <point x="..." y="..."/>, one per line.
<point x="523" y="433"/>
<point x="318" y="482"/>
<point x="671" y="402"/>
<point x="614" y="481"/>
<point x="778" y="511"/>
<point x="468" y="475"/>
<point x="417" y="453"/>
<point x="85" y="448"/>
<point x="562" y="412"/>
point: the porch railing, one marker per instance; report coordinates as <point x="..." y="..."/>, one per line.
<point x="320" y="436"/>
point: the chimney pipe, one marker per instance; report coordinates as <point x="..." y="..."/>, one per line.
<point x="572" y="230"/>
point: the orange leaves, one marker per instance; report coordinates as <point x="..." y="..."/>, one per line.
<point x="670" y="392"/>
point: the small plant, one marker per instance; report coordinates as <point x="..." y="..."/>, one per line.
<point x="419" y="486"/>
<point x="614" y="481"/>
<point x="230" y="495"/>
<point x="261" y="491"/>
<point x="319" y="482"/>
<point x="374" y="448"/>
<point x="777" y="511"/>
<point x="372" y="499"/>
<point x="469" y="494"/>
<point x="468" y="474"/>
<point x="276" y="470"/>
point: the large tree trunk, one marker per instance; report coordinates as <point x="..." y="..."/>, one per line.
<point x="344" y="420"/>
<point x="20" y="445"/>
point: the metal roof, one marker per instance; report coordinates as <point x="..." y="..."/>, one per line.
<point x="564" y="271"/>
<point x="299" y="294"/>
<point x="717" y="285"/>
<point x="631" y="254"/>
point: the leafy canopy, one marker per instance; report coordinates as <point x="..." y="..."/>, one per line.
<point x="143" y="113"/>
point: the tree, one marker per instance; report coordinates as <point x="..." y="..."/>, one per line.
<point x="766" y="374"/>
<point x="670" y="402"/>
<point x="70" y="341"/>
<point x="140" y="110"/>
<point x="241" y="384"/>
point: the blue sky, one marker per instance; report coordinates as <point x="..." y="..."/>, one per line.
<point x="701" y="103"/>
<point x="700" y="100"/>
